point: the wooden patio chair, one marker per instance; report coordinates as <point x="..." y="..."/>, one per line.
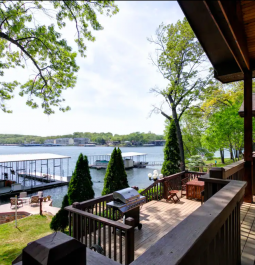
<point x="12" y="201"/>
<point x="173" y="195"/>
<point x="40" y="194"/>
<point x="23" y="194"/>
<point x="35" y="199"/>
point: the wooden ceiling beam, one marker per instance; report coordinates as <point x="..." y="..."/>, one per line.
<point x="233" y="15"/>
<point x="223" y="35"/>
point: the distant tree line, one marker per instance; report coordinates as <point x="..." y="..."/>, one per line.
<point x="99" y="138"/>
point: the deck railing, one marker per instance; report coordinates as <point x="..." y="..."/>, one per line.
<point x="210" y="235"/>
<point x="98" y="206"/>
<point x="93" y="223"/>
<point x="112" y="239"/>
<point x="159" y="189"/>
<point x="235" y="171"/>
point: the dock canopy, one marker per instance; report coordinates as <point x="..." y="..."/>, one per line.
<point x="241" y="110"/>
<point x="131" y="154"/>
<point x="29" y="157"/>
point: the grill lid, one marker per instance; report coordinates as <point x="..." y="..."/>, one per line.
<point x="126" y="195"/>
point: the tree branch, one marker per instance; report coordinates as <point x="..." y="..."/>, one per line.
<point x="4" y="36"/>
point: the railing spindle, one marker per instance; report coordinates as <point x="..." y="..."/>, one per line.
<point x="90" y="229"/>
<point x="115" y="246"/>
<point x="109" y="242"/>
<point x="120" y="245"/>
<point x="94" y="230"/>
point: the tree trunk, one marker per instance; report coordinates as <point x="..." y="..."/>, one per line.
<point x="236" y="154"/>
<point x="231" y="152"/>
<point x="222" y="156"/>
<point x="179" y="137"/>
<point x="240" y="153"/>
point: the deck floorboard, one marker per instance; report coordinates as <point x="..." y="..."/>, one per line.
<point x="248" y="233"/>
<point x="157" y="218"/>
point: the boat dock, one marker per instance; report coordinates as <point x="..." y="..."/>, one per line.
<point x="130" y="159"/>
<point x="7" y="192"/>
<point x="31" y="172"/>
<point x="43" y="177"/>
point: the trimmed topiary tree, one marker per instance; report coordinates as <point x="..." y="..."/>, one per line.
<point x="122" y="179"/>
<point x="116" y="176"/>
<point x="60" y="221"/>
<point x="172" y="158"/>
<point x="80" y="186"/>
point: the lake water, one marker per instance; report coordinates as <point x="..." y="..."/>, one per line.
<point x="136" y="176"/>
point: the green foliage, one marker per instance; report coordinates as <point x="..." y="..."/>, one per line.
<point x="116" y="176"/>
<point x="80" y="186"/>
<point x="209" y="156"/>
<point x="180" y="59"/>
<point x="192" y="127"/>
<point x="140" y="191"/>
<point x="195" y="162"/>
<point x="99" y="138"/>
<point x="53" y="61"/>
<point x="225" y="129"/>
<point x="171" y="152"/>
<point x="60" y="221"/>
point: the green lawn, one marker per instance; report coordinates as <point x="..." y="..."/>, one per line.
<point x="227" y="161"/>
<point x="13" y="240"/>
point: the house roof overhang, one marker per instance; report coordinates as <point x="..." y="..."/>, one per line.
<point x="226" y="32"/>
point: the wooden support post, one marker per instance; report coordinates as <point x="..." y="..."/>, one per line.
<point x="217" y="172"/>
<point x="76" y="221"/>
<point x="40" y="199"/>
<point x="253" y="179"/>
<point x="165" y="196"/>
<point x="129" y="242"/>
<point x="248" y="166"/>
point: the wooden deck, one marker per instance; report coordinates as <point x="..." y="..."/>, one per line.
<point x="157" y="218"/>
<point x="248" y="233"/>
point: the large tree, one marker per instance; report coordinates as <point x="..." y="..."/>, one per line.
<point x="225" y="130"/>
<point x="116" y="176"/>
<point x="81" y="185"/>
<point x="171" y="163"/>
<point x="180" y="59"/>
<point x="220" y="110"/>
<point x="25" y="40"/>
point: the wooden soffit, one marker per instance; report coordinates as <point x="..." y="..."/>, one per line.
<point x="222" y="27"/>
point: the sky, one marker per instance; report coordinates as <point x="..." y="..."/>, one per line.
<point x="112" y="89"/>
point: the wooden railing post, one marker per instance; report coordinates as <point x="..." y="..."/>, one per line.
<point x="253" y="178"/>
<point x="76" y="225"/>
<point x="217" y="173"/>
<point x="165" y="194"/>
<point x="129" y="242"/>
<point x="248" y="167"/>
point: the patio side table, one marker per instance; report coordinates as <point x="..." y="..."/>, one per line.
<point x="194" y="188"/>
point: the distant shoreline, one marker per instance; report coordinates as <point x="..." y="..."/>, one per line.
<point x="10" y="145"/>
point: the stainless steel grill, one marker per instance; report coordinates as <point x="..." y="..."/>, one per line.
<point x="128" y="202"/>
